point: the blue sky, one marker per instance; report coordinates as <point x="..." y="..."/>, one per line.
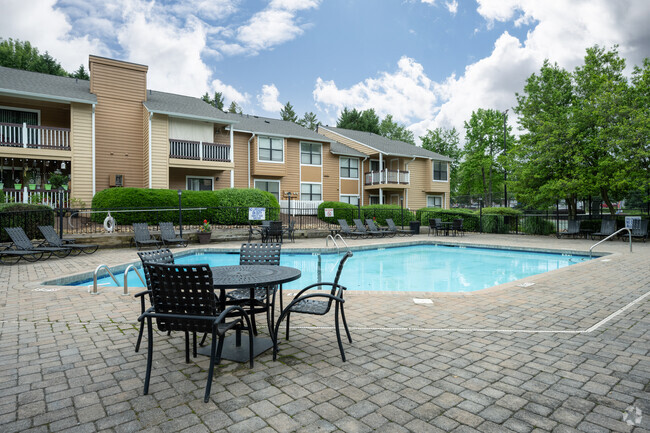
<point x="429" y="63"/>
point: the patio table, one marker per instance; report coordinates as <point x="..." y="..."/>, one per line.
<point x="251" y="276"/>
<point x="446" y="225"/>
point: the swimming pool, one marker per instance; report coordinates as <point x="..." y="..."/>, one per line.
<point x="417" y="268"/>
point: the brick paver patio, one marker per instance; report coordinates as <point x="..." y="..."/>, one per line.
<point x="551" y="356"/>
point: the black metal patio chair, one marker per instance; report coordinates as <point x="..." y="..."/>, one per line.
<point x="639" y="231"/>
<point x="53" y="240"/>
<point x="435" y="225"/>
<point x="457" y="227"/>
<point x="142" y="237"/>
<point x="362" y="229"/>
<point x="393" y="228"/>
<point x="573" y="229"/>
<point x="274" y="233"/>
<point x="162" y="256"/>
<point x="348" y="232"/>
<point x="289" y="231"/>
<point x="184" y="300"/>
<point x="261" y="230"/>
<point x="10" y="256"/>
<point x="372" y="228"/>
<point x="168" y="235"/>
<point x="318" y="303"/>
<point x="607" y="227"/>
<point x="22" y="242"/>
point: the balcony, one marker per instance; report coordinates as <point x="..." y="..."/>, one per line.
<point x="387" y="177"/>
<point x="199" y="151"/>
<point x="34" y="137"/>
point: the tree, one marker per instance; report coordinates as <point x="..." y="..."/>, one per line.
<point x="394" y="131"/>
<point x="542" y="163"/>
<point x="309" y="121"/>
<point x="366" y="120"/>
<point x="80" y="73"/>
<point x="234" y="108"/>
<point x="482" y="170"/>
<point x="217" y="102"/>
<point x="445" y="142"/>
<point x="638" y="132"/>
<point x="287" y="113"/>
<point x="22" y="55"/>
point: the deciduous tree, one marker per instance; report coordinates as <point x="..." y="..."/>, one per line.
<point x="445" y="142"/>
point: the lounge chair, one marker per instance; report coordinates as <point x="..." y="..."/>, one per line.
<point x="307" y="302"/>
<point x="457" y="227"/>
<point x="573" y="229"/>
<point x="374" y="229"/>
<point x="142" y="237"/>
<point x="22" y="242"/>
<point x="607" y="227"/>
<point x="168" y="235"/>
<point x="348" y="232"/>
<point x="11" y="256"/>
<point x="393" y="229"/>
<point x="362" y="229"/>
<point x="53" y="240"/>
<point x="639" y="231"/>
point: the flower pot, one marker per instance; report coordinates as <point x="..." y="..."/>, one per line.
<point x="48" y="187"/>
<point x="65" y="187"/>
<point x="204" y="238"/>
<point x="18" y="186"/>
<point x="32" y="186"/>
<point x="2" y="185"/>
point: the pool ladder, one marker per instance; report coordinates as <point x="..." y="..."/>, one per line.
<point x="629" y="232"/>
<point x="126" y="274"/>
<point x="333" y="238"/>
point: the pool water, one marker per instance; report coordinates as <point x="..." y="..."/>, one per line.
<point x="426" y="268"/>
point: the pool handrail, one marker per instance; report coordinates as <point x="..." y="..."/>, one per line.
<point x="629" y="232"/>
<point x="126" y="274"/>
<point x="94" y="291"/>
<point x="333" y="238"/>
<point x="338" y="235"/>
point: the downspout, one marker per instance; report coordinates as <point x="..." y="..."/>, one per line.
<point x="406" y="191"/>
<point x="92" y="145"/>
<point x="249" y="159"/>
<point x="150" y="153"/>
<point x="232" y="157"/>
<point x="381" y="191"/>
<point x="361" y="178"/>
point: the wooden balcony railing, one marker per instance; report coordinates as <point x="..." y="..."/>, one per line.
<point x="199" y="151"/>
<point x="34" y="137"/>
<point x="385" y="177"/>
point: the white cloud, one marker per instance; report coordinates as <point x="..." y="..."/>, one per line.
<point x="230" y="93"/>
<point x="452" y="7"/>
<point x="268" y="100"/>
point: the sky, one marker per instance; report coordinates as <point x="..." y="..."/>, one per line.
<point x="428" y="63"/>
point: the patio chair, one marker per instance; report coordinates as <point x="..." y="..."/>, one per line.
<point x="163" y="256"/>
<point x="184" y="300"/>
<point x="347" y="231"/>
<point x="435" y="224"/>
<point x="53" y="240"/>
<point x="22" y="242"/>
<point x="289" y="231"/>
<point x="457" y="227"/>
<point x="573" y="229"/>
<point x="607" y="227"/>
<point x="372" y="228"/>
<point x="318" y="303"/>
<point x="258" y="254"/>
<point x="11" y="256"/>
<point x="363" y="230"/>
<point x="393" y="228"/>
<point x="168" y="235"/>
<point x="639" y="231"/>
<point x="142" y="237"/>
<point x="274" y="233"/>
<point x="253" y="230"/>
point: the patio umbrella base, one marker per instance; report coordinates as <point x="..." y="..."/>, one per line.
<point x="232" y="352"/>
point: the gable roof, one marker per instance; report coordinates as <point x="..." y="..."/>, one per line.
<point x="183" y="106"/>
<point x="28" y="84"/>
<point x="385" y="145"/>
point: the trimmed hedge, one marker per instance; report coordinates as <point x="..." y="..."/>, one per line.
<point x="343" y="211"/>
<point x="225" y="206"/>
<point x="27" y="216"/>
<point x="382" y="211"/>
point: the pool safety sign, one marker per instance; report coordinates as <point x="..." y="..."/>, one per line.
<point x="329" y="212"/>
<point x="256" y="213"/>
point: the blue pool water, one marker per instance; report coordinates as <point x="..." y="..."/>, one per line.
<point x="430" y="268"/>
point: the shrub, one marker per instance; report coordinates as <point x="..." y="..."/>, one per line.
<point x="382" y="211"/>
<point x="226" y="206"/>
<point x="27" y="216"/>
<point x="536" y="225"/>
<point x="341" y="211"/>
<point x="469" y="217"/>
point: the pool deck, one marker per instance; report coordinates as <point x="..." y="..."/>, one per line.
<point x="565" y="351"/>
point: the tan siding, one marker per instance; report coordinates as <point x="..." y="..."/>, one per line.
<point x="81" y="149"/>
<point x="291" y="179"/>
<point x="330" y="174"/>
<point x="349" y="186"/>
<point x="177" y="177"/>
<point x="310" y="173"/>
<point x="120" y="80"/>
<point x="240" y="156"/>
<point x="160" y="151"/>
<point x="51" y="113"/>
<point x="272" y="169"/>
<point x="145" y="147"/>
<point x="343" y="140"/>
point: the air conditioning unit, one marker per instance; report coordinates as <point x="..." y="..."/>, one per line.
<point x="116" y="180"/>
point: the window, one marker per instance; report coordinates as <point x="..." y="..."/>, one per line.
<point x="310" y="153"/>
<point x="350" y="168"/>
<point x="434" y="201"/>
<point x="310" y="192"/>
<point x="18" y="116"/>
<point x="374" y="165"/>
<point x="197" y="183"/>
<point x="272" y="186"/>
<point x="350" y="199"/>
<point x="374" y="199"/>
<point x="270" y="149"/>
<point x="439" y="170"/>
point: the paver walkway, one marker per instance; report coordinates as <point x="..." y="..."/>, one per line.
<point x="551" y="356"/>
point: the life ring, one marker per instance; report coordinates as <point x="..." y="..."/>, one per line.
<point x="109" y="223"/>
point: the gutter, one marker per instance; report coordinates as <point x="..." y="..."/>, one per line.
<point x="150" y="164"/>
<point x="43" y="97"/>
<point x="249" y="159"/>
<point x="189" y="116"/>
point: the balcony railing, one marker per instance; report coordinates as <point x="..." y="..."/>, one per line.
<point x="37" y="196"/>
<point x="386" y="177"/>
<point x="198" y="150"/>
<point x="35" y="137"/>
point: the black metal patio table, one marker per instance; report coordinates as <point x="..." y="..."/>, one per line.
<point x="251" y="276"/>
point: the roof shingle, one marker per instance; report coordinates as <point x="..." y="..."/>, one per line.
<point x="44" y="86"/>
